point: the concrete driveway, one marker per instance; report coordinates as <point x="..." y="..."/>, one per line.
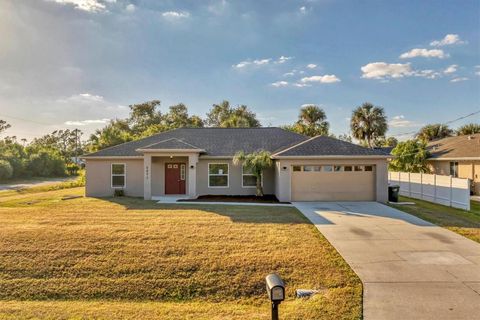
<point x="410" y="268"/>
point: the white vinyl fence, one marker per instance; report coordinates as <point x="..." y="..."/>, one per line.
<point x="446" y="190"/>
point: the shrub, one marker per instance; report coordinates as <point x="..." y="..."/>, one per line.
<point x="44" y="164"/>
<point x="6" y="170"/>
<point x="72" y="169"/>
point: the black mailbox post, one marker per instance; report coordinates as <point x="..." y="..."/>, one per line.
<point x="276" y="292"/>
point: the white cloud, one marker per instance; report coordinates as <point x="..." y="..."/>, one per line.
<point x="176" y="14"/>
<point x="303" y="10"/>
<point x="459" y="79"/>
<point x="82" y="98"/>
<point x="311" y="66"/>
<point x="301" y="85"/>
<point x="382" y="70"/>
<point x="279" y="84"/>
<point x="130" y="7"/>
<point x="86" y="122"/>
<point x="289" y="74"/>
<point x="261" y="62"/>
<point x="283" y="59"/>
<point x="426" y="53"/>
<point x="477" y="70"/>
<point x="451" y="69"/>
<point x="401" y="122"/>
<point x="449" y="39"/>
<point x="429" y="74"/>
<point x="328" y="78"/>
<point x="85" y="5"/>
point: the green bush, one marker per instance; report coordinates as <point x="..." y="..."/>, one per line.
<point x="6" y="170"/>
<point x="72" y="169"/>
<point x="44" y="164"/>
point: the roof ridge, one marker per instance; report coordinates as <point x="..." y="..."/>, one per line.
<point x="173" y="138"/>
<point x="296" y="145"/>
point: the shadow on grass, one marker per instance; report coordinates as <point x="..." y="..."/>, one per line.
<point x="236" y="213"/>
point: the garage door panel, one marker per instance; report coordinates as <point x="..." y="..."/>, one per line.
<point x="333" y="186"/>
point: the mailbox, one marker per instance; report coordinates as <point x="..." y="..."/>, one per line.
<point x="275" y="288"/>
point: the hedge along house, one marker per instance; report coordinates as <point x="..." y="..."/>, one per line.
<point x="199" y="161"/>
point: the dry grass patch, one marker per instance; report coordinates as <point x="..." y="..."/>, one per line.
<point x="171" y="261"/>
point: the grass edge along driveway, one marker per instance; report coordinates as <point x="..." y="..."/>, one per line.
<point x="129" y="258"/>
<point x="465" y="223"/>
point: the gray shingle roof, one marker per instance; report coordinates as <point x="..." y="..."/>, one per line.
<point x="172" y="143"/>
<point x="215" y="141"/>
<point x="327" y="146"/>
<point x="227" y="141"/>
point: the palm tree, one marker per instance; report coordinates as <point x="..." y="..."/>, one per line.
<point x="256" y="162"/>
<point x="434" y="131"/>
<point x="368" y="123"/>
<point x="312" y="121"/>
<point x="467" y="129"/>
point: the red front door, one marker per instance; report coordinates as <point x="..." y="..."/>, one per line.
<point x="175" y="178"/>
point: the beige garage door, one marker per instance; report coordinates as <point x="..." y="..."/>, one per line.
<point x="333" y="183"/>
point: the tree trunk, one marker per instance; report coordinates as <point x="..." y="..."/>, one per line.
<point x="259" y="185"/>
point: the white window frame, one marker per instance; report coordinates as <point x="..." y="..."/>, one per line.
<point x="124" y="175"/>
<point x="455" y="168"/>
<point x="250" y="174"/>
<point x="216" y="175"/>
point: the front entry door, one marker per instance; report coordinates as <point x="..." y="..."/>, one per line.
<point x="174" y="178"/>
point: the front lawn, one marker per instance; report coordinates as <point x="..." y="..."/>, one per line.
<point x="466" y="223"/>
<point x="129" y="258"/>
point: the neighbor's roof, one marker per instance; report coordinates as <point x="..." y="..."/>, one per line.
<point x="467" y="146"/>
<point x="327" y="146"/>
<point x="227" y="141"/>
<point x="215" y="141"/>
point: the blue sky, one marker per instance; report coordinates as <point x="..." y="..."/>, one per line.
<point x="76" y="63"/>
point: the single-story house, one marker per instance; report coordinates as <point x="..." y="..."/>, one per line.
<point x="198" y="161"/>
<point x="457" y="156"/>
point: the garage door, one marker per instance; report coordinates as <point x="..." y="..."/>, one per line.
<point x="333" y="183"/>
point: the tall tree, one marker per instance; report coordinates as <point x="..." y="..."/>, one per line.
<point x="433" y="132"/>
<point x="224" y="116"/>
<point x="368" y="123"/>
<point x="143" y="115"/>
<point x="116" y="132"/>
<point x="255" y="162"/>
<point x="3" y="125"/>
<point x="467" y="129"/>
<point x="410" y="156"/>
<point x="178" y="117"/>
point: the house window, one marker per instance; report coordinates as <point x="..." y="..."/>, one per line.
<point x="337" y="168"/>
<point x="118" y="175"/>
<point x="218" y="175"/>
<point x="327" y="168"/>
<point x="358" y="168"/>
<point x="312" y="168"/>
<point x="182" y="172"/>
<point x="368" y="168"/>
<point x="297" y="168"/>
<point x="248" y="179"/>
<point x="347" y="168"/>
<point x="454" y="169"/>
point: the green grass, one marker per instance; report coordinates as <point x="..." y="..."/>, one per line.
<point x="466" y="223"/>
<point x="129" y="258"/>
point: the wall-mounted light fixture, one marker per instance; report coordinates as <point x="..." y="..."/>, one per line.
<point x="192" y="166"/>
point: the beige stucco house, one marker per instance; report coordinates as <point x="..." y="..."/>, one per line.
<point x="457" y="156"/>
<point x="198" y="161"/>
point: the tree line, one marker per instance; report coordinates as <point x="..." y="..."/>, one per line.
<point x="55" y="154"/>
